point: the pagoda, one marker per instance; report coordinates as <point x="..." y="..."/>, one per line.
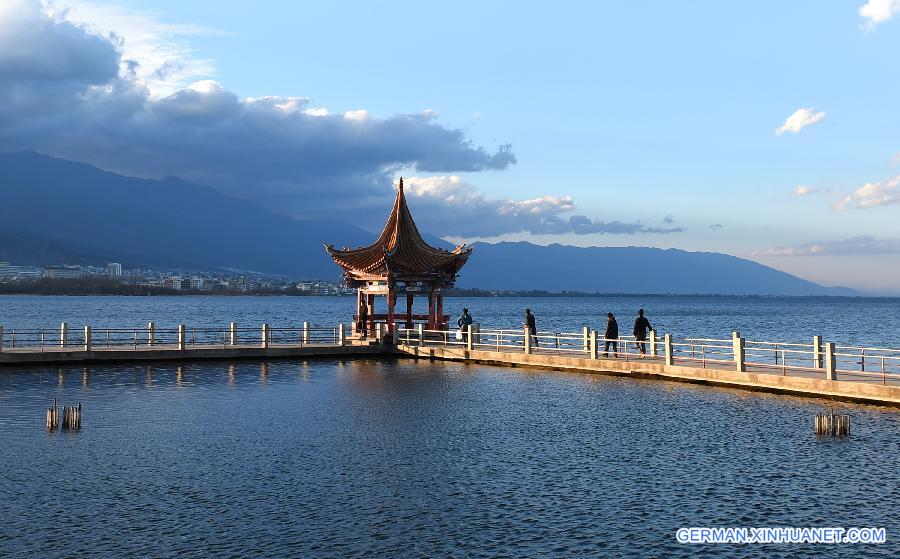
<point x="400" y="261"/>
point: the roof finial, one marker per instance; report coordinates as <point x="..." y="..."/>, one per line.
<point x="401" y="184"/>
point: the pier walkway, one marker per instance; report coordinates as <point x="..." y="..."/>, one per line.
<point x="817" y="369"/>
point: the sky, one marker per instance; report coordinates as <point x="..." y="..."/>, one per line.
<point x="767" y="130"/>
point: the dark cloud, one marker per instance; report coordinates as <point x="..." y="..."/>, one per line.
<point x="61" y="93"/>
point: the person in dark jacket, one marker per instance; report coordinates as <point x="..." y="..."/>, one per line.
<point x="363" y="319"/>
<point x="531" y="327"/>
<point x="611" y="336"/>
<point x="641" y="325"/>
<point x="464" y="320"/>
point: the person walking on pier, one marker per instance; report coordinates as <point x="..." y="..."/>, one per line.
<point x="641" y="325"/>
<point x="464" y="320"/>
<point x="611" y="336"/>
<point x="531" y="327"/>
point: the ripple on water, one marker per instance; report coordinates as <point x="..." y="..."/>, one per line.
<point x="388" y="459"/>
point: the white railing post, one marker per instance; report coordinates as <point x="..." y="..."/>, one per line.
<point x="181" y="336"/>
<point x="232" y="334"/>
<point x="420" y="331"/>
<point x="63" y="335"/>
<point x="818" y="358"/>
<point x="342" y="337"/>
<point x="305" y="333"/>
<point x="87" y="338"/>
<point x="670" y="356"/>
<point x="739" y="348"/>
<point x="265" y="335"/>
<point x="594" y="350"/>
<point x="652" y="343"/>
<point x="585" y="339"/>
<point x="151" y="334"/>
<point x="470" y="340"/>
<point x="379" y="332"/>
<point x="527" y="341"/>
<point x="830" y="362"/>
<point x="476" y="328"/>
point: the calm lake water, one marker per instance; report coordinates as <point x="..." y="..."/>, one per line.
<point x="853" y="320"/>
<point x="382" y="458"/>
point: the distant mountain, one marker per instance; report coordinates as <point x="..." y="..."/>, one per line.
<point x="524" y="266"/>
<point x="74" y="212"/>
<point x="54" y="211"/>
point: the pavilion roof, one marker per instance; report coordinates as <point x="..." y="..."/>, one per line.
<point x="400" y="251"/>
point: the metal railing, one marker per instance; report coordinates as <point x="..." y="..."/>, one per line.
<point x="88" y="338"/>
<point x="815" y="360"/>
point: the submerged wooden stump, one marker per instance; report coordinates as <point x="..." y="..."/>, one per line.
<point x="832" y="425"/>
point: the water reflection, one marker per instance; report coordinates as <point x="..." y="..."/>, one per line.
<point x="323" y="458"/>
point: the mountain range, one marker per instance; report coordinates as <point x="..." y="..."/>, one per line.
<point x="54" y="211"/>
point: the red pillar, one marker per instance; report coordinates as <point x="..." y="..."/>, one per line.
<point x="431" y="320"/>
<point x="391" y="299"/>
<point x="359" y="300"/>
<point x="409" y="310"/>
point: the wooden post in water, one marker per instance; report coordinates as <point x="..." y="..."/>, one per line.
<point x="527" y="341"/>
<point x="265" y="335"/>
<point x="594" y="349"/>
<point x="151" y="334"/>
<point x="818" y="358"/>
<point x="87" y="337"/>
<point x="63" y="334"/>
<point x="652" y="343"/>
<point x="232" y="334"/>
<point x="740" y="352"/>
<point x="830" y="363"/>
<point x="181" y="336"/>
<point x="667" y="344"/>
<point x="52" y="417"/>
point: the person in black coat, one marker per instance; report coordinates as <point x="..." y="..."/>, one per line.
<point x="531" y="327"/>
<point x="641" y="325"/>
<point x="611" y="336"/>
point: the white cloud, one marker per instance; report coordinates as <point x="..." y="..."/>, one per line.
<point x="360" y="115"/>
<point x="872" y="194"/>
<point x="318" y="111"/>
<point x="896" y="158"/>
<point x="451" y="205"/>
<point x="800" y="120"/>
<point x="878" y="11"/>
<point x="865" y="244"/>
<point x="805" y="191"/>
<point x="158" y="53"/>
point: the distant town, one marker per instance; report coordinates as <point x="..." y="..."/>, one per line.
<point x="114" y="278"/>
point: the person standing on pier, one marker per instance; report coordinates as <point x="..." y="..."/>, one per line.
<point x="464" y="320"/>
<point x="641" y="325"/>
<point x="611" y="336"/>
<point x="364" y="318"/>
<point x="531" y="327"/>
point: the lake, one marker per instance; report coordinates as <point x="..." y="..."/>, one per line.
<point x="385" y="458"/>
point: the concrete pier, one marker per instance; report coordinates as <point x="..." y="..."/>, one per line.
<point x="650" y="367"/>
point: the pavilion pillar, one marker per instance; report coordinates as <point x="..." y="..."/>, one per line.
<point x="409" y="310"/>
<point x="391" y="300"/>
<point x="359" y="302"/>
<point x="440" y="309"/>
<point x="431" y="320"/>
<point x="370" y="300"/>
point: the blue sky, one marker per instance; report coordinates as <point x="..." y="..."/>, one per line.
<point x="655" y="121"/>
